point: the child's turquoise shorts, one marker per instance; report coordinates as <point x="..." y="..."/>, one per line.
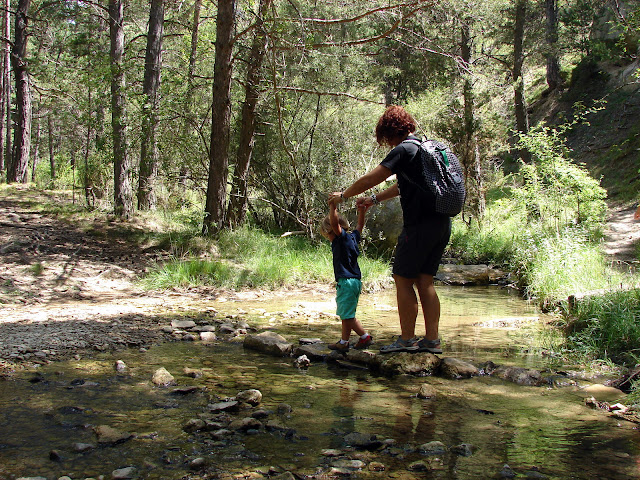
<point x="347" y="295"/>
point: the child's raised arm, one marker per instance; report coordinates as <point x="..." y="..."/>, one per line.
<point x="333" y="219"/>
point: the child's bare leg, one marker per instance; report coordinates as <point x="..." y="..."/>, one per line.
<point x="351" y="324"/>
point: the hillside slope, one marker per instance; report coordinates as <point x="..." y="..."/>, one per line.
<point x="607" y="143"/>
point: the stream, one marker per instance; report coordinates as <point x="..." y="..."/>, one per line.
<point x="490" y="428"/>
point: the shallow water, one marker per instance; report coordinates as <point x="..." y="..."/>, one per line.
<point x="532" y="429"/>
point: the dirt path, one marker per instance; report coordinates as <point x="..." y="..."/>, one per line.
<point x="621" y="236"/>
<point x="67" y="289"/>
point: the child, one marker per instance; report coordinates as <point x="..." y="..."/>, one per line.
<point x="344" y="246"/>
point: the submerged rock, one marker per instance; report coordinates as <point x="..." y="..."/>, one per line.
<point x="464" y="449"/>
<point x="244" y="424"/>
<point x="162" y="378"/>
<point x="252" y="397"/>
<point x="268" y="342"/>
<point x="111" y="436"/>
<point x="454" y="368"/>
<point x="82" y="447"/>
<point x="520" y="375"/>
<point x="124" y="473"/>
<point x="427" y="391"/>
<point x="432" y="448"/>
<point x="362" y="441"/>
<point x="469" y="274"/>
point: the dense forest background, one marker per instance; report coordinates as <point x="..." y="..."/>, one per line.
<point x="252" y="111"/>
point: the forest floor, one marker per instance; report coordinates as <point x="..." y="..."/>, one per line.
<point x="66" y="288"/>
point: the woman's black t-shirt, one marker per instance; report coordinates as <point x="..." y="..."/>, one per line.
<point x="401" y="158"/>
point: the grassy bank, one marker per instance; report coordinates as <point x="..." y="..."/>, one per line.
<point x="252" y="258"/>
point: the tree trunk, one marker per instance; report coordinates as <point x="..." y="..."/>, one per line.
<point x="238" y="202"/>
<point x="86" y="177"/>
<point x="7" y="88"/>
<point x="122" y="191"/>
<point x="554" y="80"/>
<point x="36" y="152"/>
<point x="522" y="120"/>
<point x="17" y="168"/>
<point x="149" y="143"/>
<point x="220" y="119"/>
<point x="52" y="158"/>
<point x="5" y="85"/>
<point x="189" y="119"/>
<point x="194" y="46"/>
<point x="471" y="150"/>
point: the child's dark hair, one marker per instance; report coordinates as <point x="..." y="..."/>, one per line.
<point x="395" y="122"/>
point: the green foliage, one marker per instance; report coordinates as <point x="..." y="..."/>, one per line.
<point x="554" y="190"/>
<point x="607" y="326"/>
<point x="494" y="241"/>
<point x="248" y="257"/>
<point x="554" y="267"/>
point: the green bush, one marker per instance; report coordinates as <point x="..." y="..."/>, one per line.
<point x="607" y="326"/>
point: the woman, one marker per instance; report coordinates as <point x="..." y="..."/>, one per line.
<point x="424" y="236"/>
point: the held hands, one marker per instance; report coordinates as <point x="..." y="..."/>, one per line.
<point x="362" y="207"/>
<point x="335" y="198"/>
<point x="364" y="202"/>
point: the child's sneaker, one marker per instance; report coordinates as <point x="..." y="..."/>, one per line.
<point x="401" y="345"/>
<point x="368" y="340"/>
<point x="339" y="347"/>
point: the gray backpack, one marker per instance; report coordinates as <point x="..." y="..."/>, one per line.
<point x="441" y="180"/>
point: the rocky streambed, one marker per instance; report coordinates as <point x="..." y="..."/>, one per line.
<point x="218" y="398"/>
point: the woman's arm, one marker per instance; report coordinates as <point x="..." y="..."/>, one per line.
<point x="365" y="182"/>
<point x="386" y="194"/>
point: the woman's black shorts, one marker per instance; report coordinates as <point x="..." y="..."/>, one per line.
<point x="420" y="247"/>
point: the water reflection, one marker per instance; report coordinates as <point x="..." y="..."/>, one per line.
<point x="534" y="430"/>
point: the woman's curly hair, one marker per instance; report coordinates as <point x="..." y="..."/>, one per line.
<point x="395" y="122"/>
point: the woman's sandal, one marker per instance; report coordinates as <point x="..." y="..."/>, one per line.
<point x="431" y="346"/>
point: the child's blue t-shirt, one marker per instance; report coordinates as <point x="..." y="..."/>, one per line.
<point x="345" y="255"/>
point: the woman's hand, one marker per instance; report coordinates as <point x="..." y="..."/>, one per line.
<point x="365" y="202"/>
<point x="335" y="198"/>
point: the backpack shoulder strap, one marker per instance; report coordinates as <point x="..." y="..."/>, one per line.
<point x="412" y="140"/>
<point x="441" y="148"/>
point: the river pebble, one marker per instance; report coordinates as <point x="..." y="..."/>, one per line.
<point x="124" y="473"/>
<point x="162" y="378"/>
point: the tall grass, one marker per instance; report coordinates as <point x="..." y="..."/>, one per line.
<point x="607" y="326"/>
<point x="249" y="257"/>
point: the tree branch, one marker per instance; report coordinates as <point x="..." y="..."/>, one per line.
<point x="363" y="15"/>
<point x="328" y="94"/>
